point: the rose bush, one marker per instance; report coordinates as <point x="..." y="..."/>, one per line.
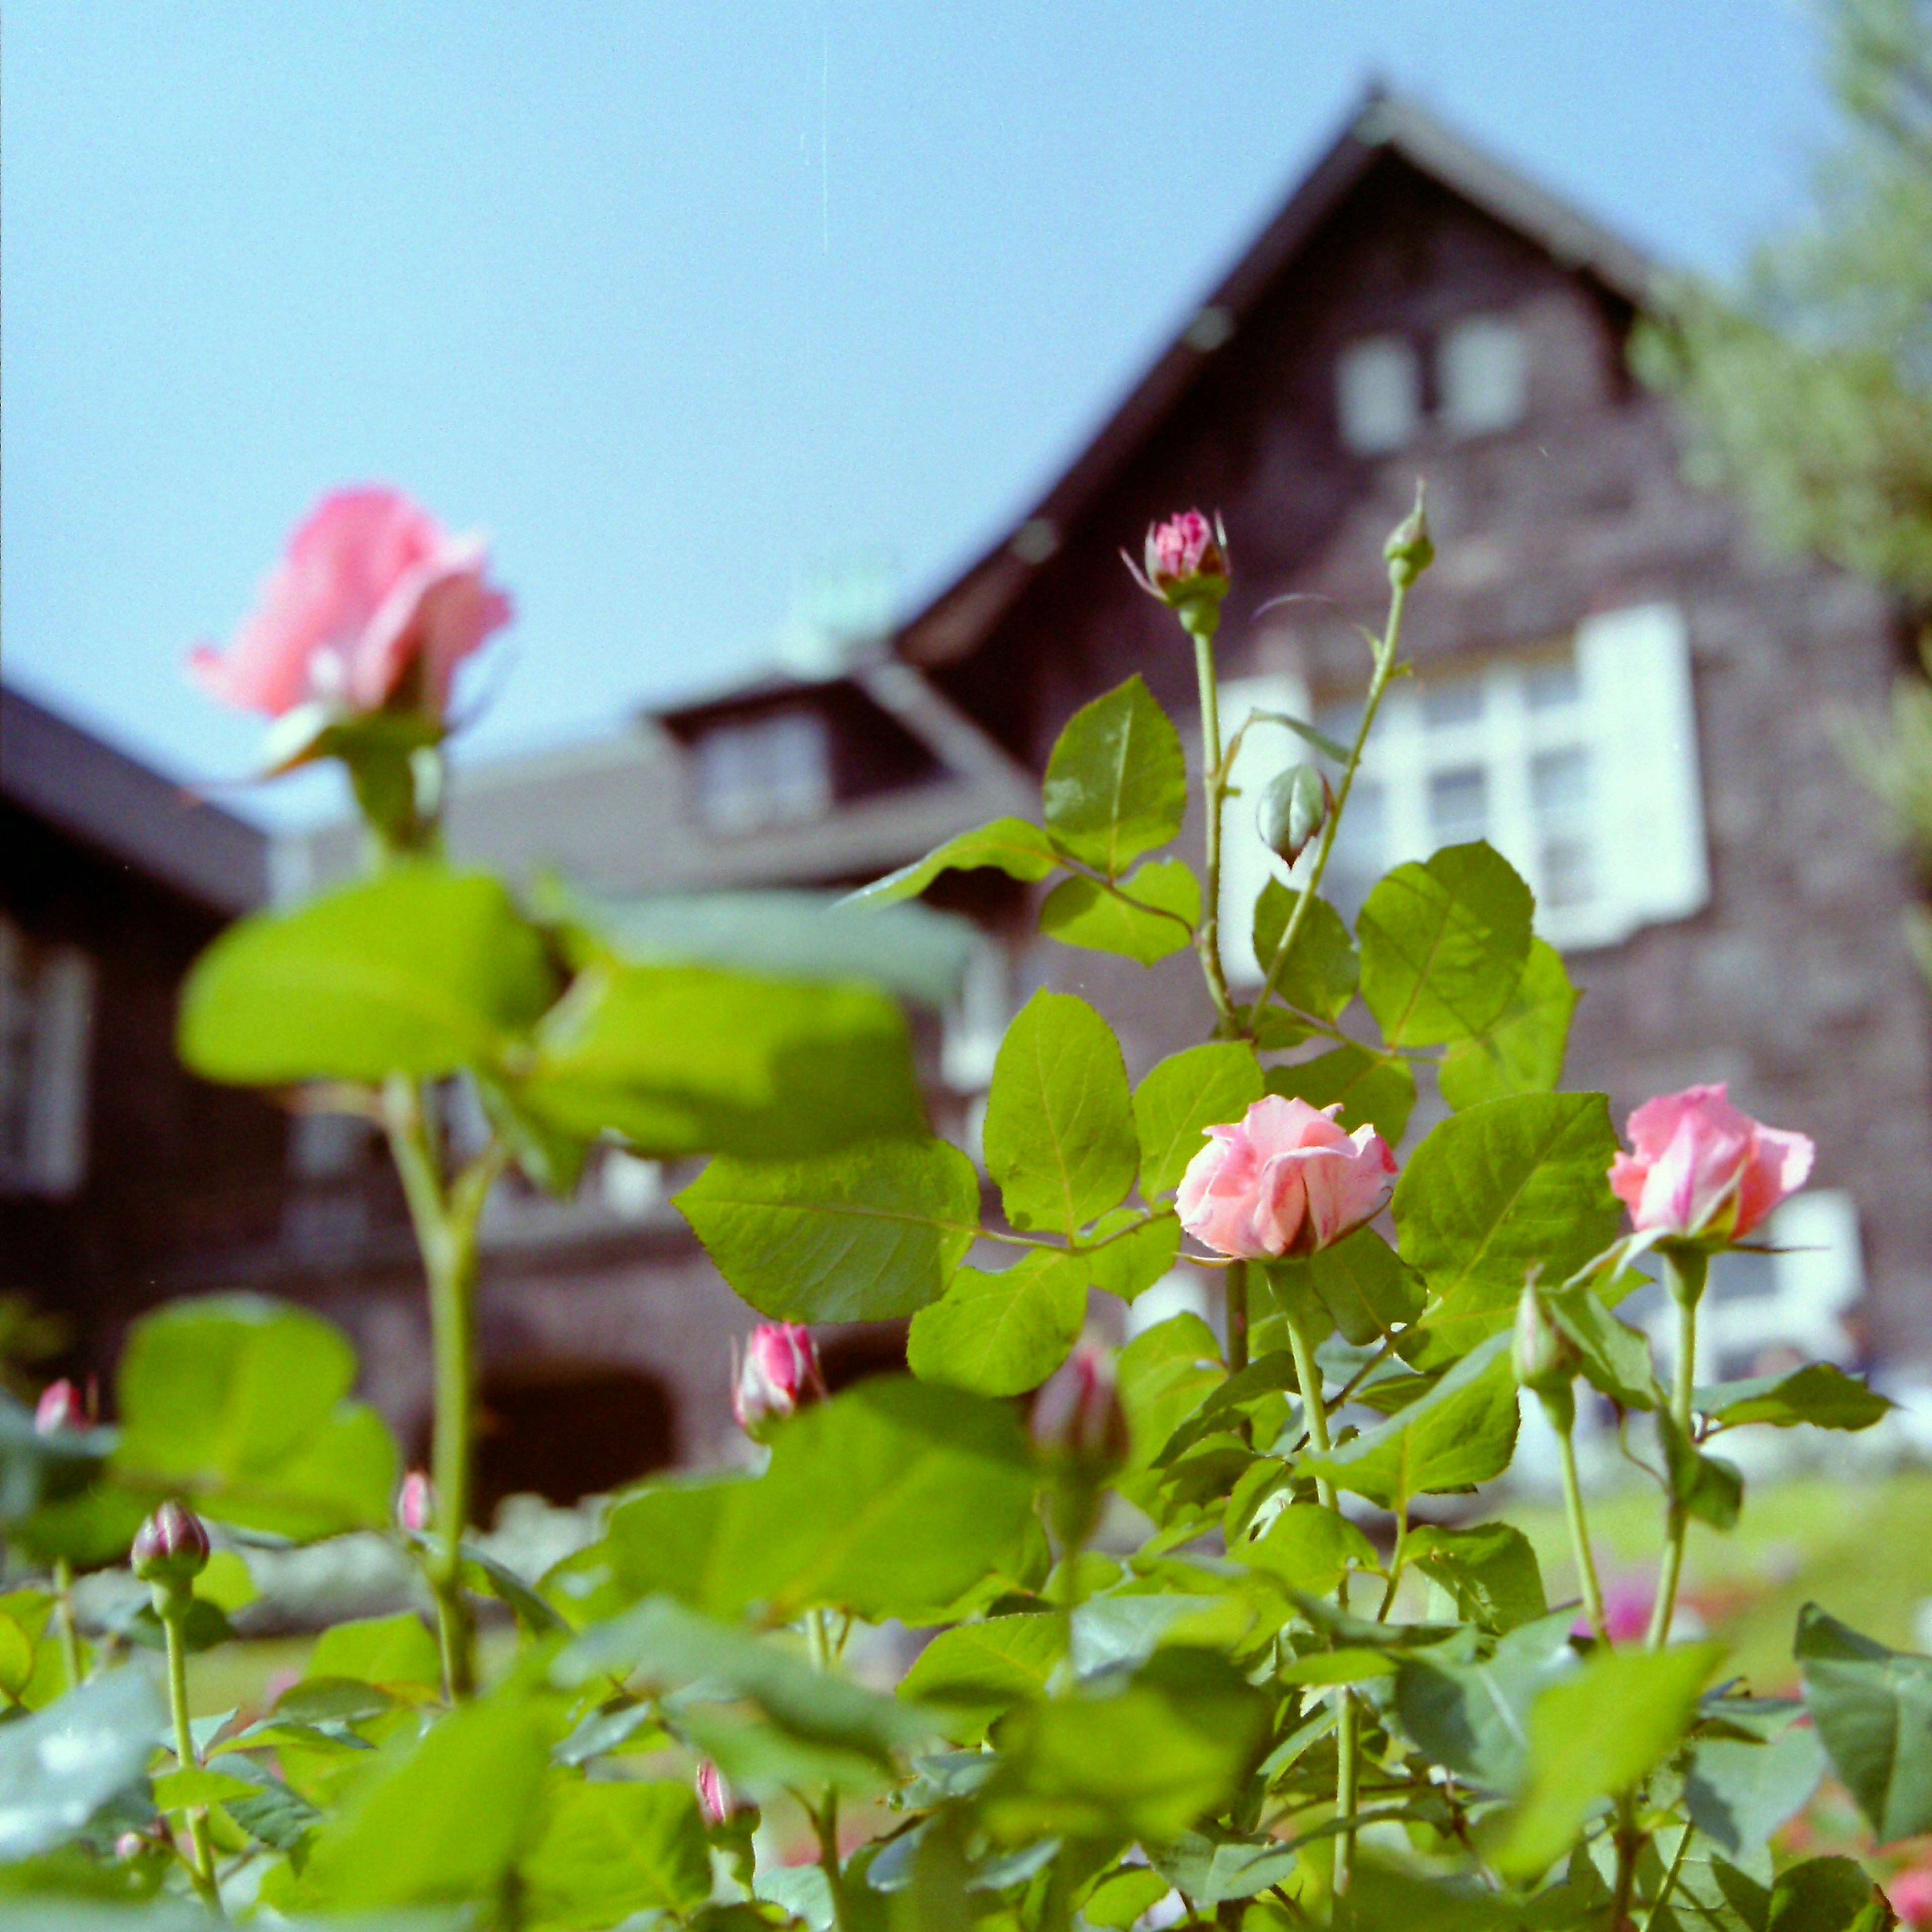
<point x="1216" y="1631"/>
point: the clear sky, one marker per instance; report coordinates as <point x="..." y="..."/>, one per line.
<point x="683" y="305"/>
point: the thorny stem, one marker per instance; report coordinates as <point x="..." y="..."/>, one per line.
<point x="1214" y="794"/>
<point x="1684" y="1275"/>
<point x="445" y="1222"/>
<point x="1347" y="1722"/>
<point x="70" y="1633"/>
<point x="1580" y="1538"/>
<point x="173" y="1610"/>
<point x="1385" y="665"/>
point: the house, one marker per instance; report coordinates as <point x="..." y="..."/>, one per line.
<point x="118" y="1168"/>
<point x="1618" y="687"/>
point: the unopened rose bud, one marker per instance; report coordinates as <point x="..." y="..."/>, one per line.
<point x="1408" y="549"/>
<point x="1078" y="1421"/>
<point x="1544" y="1358"/>
<point x="779" y="1374"/>
<point x="59" y="1408"/>
<point x="1293" y="809"/>
<point x="129" y="1845"/>
<point x="1186" y="568"/>
<point x="716" y="1798"/>
<point x="171" y="1548"/>
<point x="415" y="1503"/>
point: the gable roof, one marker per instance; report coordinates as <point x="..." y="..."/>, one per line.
<point x="950" y="626"/>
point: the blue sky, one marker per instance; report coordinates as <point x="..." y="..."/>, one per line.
<point x="685" y="305"/>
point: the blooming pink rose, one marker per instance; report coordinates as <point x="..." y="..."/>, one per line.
<point x="372" y="592"/>
<point x="780" y="1373"/>
<point x="415" y="1503"/>
<point x="1702" y="1167"/>
<point x="59" y="1408"/>
<point x="1284" y="1179"/>
<point x="1911" y="1895"/>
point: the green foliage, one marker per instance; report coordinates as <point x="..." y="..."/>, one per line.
<point x="420" y="970"/>
<point x="864" y="1234"/>
<point x="1181" y="1098"/>
<point x="1004" y="1334"/>
<point x="1375" y="1091"/>
<point x="1117" y="781"/>
<point x="1147" y="917"/>
<point x="1319" y="976"/>
<point x="1873" y="1707"/>
<point x="1009" y="845"/>
<point x="612" y="1849"/>
<point x="243" y="1405"/>
<point x="1522" y="1052"/>
<point x="690" y="1060"/>
<point x="1059" y="1135"/>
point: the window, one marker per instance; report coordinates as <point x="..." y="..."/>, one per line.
<point x="1578" y="763"/>
<point x="1378" y="390"/>
<point x="759" y="771"/>
<point x="46" y="1018"/>
<point x="1482" y="373"/>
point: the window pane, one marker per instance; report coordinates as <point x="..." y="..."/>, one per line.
<point x="1567" y="880"/>
<point x="1357" y="860"/>
<point x="1378" y="389"/>
<point x="1483" y="368"/>
<point x="1559" y="783"/>
<point x="1551" y="682"/>
<point x="1459" y="805"/>
<point x="1452" y="700"/>
<point x="1341" y="719"/>
<point x="1559" y="790"/>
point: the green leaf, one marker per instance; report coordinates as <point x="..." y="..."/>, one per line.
<point x="175" y="1790"/>
<point x="378" y="1650"/>
<point x="1117" y="781"/>
<point x="611" y="1849"/>
<point x="1831" y="1894"/>
<point x="671" y="1648"/>
<point x="1825" y="1396"/>
<point x="1321" y="974"/>
<point x="1473" y="1715"/>
<point x="1079" y="911"/>
<point x="1522" y="1051"/>
<point x="1492" y="1192"/>
<point x="1362" y="1282"/>
<point x="1738" y="1793"/>
<point x="1444" y="946"/>
<point x="1128" y="1263"/>
<point x="1120" y="1898"/>
<point x="1615" y="1358"/>
<point x="1374" y="1091"/>
<point x="1705" y="1487"/>
<point x="60" y="1766"/>
<point x="1873" y="1707"/>
<point x="1060" y="1138"/>
<point x="1009" y="845"/>
<point x="445" y="1816"/>
<point x="1181" y="1097"/>
<point x="1309" y="1548"/>
<point x="242" y="1404"/>
<point x="1151" y="1759"/>
<point x="421" y="971"/>
<point x="1461" y="1433"/>
<point x="978" y="1671"/>
<point x="683" y="1059"/>
<point x="1210" y="1867"/>
<point x="1489" y="1570"/>
<point x="1163" y="1375"/>
<point x="893" y="1499"/>
<point x="1004" y="1334"/>
<point x="16" y="1659"/>
<point x="1596" y="1734"/>
<point x="866" y="1234"/>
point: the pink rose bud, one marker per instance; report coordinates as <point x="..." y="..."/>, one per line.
<point x="1187" y="567"/>
<point x="59" y="1408"/>
<point x="129" y="1845"/>
<point x="780" y="1373"/>
<point x="1077" y="1416"/>
<point x="415" y="1503"/>
<point x="1911" y="1895"/>
<point x="1703" y="1169"/>
<point x="374" y="603"/>
<point x="171" y="1547"/>
<point x="716" y="1798"/>
<point x="1544" y="1357"/>
<point x="1285" y="1179"/>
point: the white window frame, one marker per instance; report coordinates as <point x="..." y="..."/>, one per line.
<point x="747" y="775"/>
<point x="1378" y="395"/>
<point x="1482" y="375"/>
<point x="1633" y="716"/>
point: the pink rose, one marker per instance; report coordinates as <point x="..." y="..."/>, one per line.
<point x="1701" y="1167"/>
<point x="1187" y="565"/>
<point x="415" y="1503"/>
<point x="1284" y="1179"/>
<point x="1911" y="1895"/>
<point x="373" y="600"/>
<point x="780" y="1373"/>
<point x="59" y="1408"/>
<point x="716" y="1798"/>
